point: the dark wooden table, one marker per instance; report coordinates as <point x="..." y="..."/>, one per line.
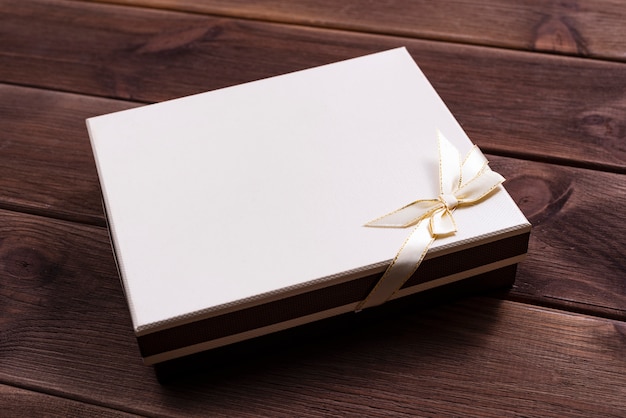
<point x="539" y="86"/>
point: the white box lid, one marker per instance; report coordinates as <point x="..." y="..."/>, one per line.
<point x="231" y="196"/>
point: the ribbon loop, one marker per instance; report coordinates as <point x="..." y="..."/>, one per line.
<point x="461" y="183"/>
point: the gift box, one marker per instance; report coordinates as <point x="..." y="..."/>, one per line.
<point x="255" y="208"/>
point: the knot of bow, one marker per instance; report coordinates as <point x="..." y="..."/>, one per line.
<point x="461" y="183"/>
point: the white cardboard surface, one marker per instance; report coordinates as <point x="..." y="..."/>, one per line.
<point x="223" y="196"/>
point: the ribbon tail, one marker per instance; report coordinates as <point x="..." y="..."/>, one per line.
<point x="405" y="263"/>
<point x="406" y="216"/>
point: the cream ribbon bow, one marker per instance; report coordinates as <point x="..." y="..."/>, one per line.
<point x="461" y="183"/>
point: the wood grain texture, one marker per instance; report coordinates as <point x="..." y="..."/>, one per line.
<point x="60" y="293"/>
<point x="532" y="106"/>
<point x="577" y="251"/>
<point x="582" y="28"/>
<point x="46" y="163"/>
<point x="17" y="402"/>
<point x="66" y="330"/>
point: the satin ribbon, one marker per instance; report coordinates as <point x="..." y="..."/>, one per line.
<point x="461" y="183"/>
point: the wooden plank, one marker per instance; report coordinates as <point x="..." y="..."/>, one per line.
<point x="47" y="168"/>
<point x="577" y="250"/>
<point x="17" y="402"/>
<point x="46" y="163"/>
<point x="592" y="29"/>
<point x="66" y="330"/>
<point x="527" y="105"/>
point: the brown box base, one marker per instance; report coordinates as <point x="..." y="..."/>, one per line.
<point x="273" y="347"/>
